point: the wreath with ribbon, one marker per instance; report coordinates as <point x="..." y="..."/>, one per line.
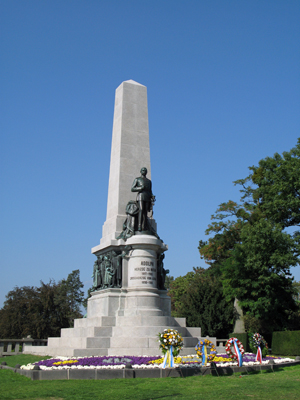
<point x="170" y="338"/>
<point x="170" y="342"/>
<point x="259" y="343"/>
<point x="206" y="350"/>
<point x="259" y="340"/>
<point x="238" y="350"/>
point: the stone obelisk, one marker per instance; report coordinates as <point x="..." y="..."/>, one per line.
<point x="130" y="151"/>
<point x="140" y="290"/>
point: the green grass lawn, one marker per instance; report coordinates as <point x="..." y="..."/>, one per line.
<point x="282" y="384"/>
<point x="22" y="359"/>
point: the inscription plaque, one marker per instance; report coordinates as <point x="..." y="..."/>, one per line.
<point x="142" y="272"/>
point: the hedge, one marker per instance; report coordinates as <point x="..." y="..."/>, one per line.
<point x="286" y="343"/>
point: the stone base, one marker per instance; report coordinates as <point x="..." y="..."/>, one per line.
<point x="115" y="336"/>
<point x="127" y="320"/>
<point x="121" y="322"/>
<point x="129" y="302"/>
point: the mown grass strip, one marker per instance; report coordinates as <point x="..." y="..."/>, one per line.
<point x="282" y="384"/>
<point x="22" y="359"/>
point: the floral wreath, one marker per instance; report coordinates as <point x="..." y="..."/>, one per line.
<point x="168" y="338"/>
<point x="259" y="340"/>
<point x="212" y="351"/>
<point x="228" y="347"/>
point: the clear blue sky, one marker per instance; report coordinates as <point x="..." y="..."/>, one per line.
<point x="223" y="92"/>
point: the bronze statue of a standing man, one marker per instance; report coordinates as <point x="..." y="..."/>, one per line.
<point x="143" y="186"/>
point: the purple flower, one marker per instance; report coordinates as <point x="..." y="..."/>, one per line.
<point x="99" y="361"/>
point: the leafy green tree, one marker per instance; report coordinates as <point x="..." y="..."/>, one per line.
<point x="45" y="317"/>
<point x="277" y="187"/>
<point x="41" y="311"/>
<point x="14" y="316"/>
<point x="249" y="248"/>
<point x="258" y="274"/>
<point x="226" y="234"/>
<point x="198" y="296"/>
<point x="168" y="281"/>
<point x="296" y="286"/>
<point x="69" y="298"/>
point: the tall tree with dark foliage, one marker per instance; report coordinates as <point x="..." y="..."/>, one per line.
<point x="41" y="311"/>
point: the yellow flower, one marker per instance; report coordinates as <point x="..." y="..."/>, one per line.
<point x="65" y="362"/>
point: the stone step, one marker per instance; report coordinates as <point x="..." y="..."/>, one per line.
<point x="188" y="351"/>
<point x="77" y="332"/>
<point x="60" y="352"/>
<point x="193" y="332"/>
<point x="104" y="331"/>
<point x="140" y="320"/>
<point x="139" y="351"/>
<point x="133" y="342"/>
<point x="67" y="342"/>
<point x="145" y="342"/>
<point x="94" y="321"/>
<point x="79" y="342"/>
<point x="147" y="351"/>
<point x="96" y="352"/>
<point x="100" y="342"/>
<point x="125" y="331"/>
<point x="145" y="331"/>
<point x="113" y="341"/>
<point x="87" y="332"/>
<point x="189" y="341"/>
<point x="53" y="342"/>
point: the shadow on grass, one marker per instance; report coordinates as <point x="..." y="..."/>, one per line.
<point x="168" y="395"/>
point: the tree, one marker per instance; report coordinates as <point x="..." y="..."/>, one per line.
<point x="45" y="319"/>
<point x="168" y="281"/>
<point x="226" y="234"/>
<point x="277" y="187"/>
<point x="69" y="297"/>
<point x="41" y="311"/>
<point x="198" y="296"/>
<point x="249" y="248"/>
<point x="14" y="316"/>
<point x="258" y="274"/>
<point x="296" y="286"/>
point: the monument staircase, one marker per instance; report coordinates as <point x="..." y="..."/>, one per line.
<point x="117" y="336"/>
<point x="122" y="321"/>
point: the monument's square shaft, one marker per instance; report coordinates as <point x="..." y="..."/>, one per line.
<point x="130" y="151"/>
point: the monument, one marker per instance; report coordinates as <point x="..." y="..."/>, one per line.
<point x="129" y="304"/>
<point x="239" y="325"/>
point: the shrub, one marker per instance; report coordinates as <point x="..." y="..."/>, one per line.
<point x="286" y="343"/>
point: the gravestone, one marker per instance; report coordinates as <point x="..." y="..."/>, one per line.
<point x="129" y="304"/>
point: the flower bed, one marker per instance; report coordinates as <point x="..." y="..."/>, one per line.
<point x="144" y="362"/>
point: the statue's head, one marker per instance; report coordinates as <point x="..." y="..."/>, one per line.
<point x="144" y="171"/>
